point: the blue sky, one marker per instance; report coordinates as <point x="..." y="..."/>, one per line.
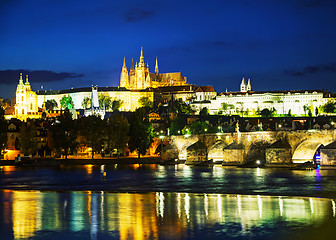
<point x="279" y="44"/>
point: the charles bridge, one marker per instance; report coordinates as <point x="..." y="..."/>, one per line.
<point x="269" y="147"/>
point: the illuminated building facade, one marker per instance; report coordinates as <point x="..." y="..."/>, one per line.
<point x="129" y="98"/>
<point x="249" y="102"/>
<point x="140" y="77"/>
<point x="26" y="101"/>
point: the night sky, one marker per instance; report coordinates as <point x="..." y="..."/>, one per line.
<point x="279" y="44"/>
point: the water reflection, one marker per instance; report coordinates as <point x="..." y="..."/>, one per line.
<point x="26" y="214"/>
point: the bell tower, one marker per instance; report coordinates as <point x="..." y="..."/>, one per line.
<point x="124" y="81"/>
<point x="243" y="87"/>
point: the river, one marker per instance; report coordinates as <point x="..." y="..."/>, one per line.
<point x="166" y="202"/>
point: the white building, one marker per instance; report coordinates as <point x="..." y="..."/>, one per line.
<point x="249" y="102"/>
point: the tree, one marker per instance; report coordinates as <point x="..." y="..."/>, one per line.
<point x="116" y="105"/>
<point x="289" y="114"/>
<point x="266" y="112"/>
<point x="199" y="127"/>
<point x="105" y="102"/>
<point x="145" y="102"/>
<point x="92" y="131"/>
<point x="51" y="104"/>
<point x="3" y="131"/>
<point x="224" y="106"/>
<point x="316" y="111"/>
<point x="64" y="134"/>
<point x="305" y="109"/>
<point x="204" y="111"/>
<point x="141" y="132"/>
<point x="329" y="107"/>
<point x="182" y="107"/>
<point x="28" y="141"/>
<point x="86" y="103"/>
<point x="117" y="133"/>
<point x="66" y="102"/>
<point x="177" y="125"/>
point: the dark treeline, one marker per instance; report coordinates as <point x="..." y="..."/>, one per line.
<point x="64" y="136"/>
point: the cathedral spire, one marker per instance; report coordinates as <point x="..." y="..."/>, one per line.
<point x="156" y="67"/>
<point x="27" y="82"/>
<point x="20" y="80"/>
<point x="132" y="72"/>
<point x="132" y="65"/>
<point x="124" y="65"/>
<point x="142" y="59"/>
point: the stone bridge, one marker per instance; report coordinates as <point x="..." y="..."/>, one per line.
<point x="270" y="147"/>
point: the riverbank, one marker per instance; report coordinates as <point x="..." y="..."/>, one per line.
<point x="85" y="161"/>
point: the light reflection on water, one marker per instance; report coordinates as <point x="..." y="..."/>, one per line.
<point x="96" y="215"/>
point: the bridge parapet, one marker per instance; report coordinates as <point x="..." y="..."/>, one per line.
<point x="303" y="144"/>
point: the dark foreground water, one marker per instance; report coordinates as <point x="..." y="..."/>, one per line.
<point x="166" y="202"/>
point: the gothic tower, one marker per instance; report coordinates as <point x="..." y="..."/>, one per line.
<point x="249" y="86"/>
<point x="141" y="71"/>
<point x="243" y="87"/>
<point x="124" y="81"/>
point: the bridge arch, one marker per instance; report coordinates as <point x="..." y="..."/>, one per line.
<point x="216" y="151"/>
<point x="257" y="151"/>
<point x="306" y="151"/>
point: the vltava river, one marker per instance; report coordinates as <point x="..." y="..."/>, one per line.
<point x="166" y="202"/>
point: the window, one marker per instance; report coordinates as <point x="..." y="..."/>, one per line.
<point x="22" y="111"/>
<point x="22" y="99"/>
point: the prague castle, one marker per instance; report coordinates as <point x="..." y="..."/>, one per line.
<point x="138" y="82"/>
<point x="140" y="77"/>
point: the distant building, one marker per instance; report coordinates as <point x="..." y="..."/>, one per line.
<point x="26" y="101"/>
<point x="129" y="98"/>
<point x="249" y="102"/>
<point x="140" y="77"/>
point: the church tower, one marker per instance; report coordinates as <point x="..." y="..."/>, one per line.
<point x="26" y="100"/>
<point x="124" y="81"/>
<point x="249" y="86"/>
<point x="243" y="87"/>
<point x="141" y="71"/>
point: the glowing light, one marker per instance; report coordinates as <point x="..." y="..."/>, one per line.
<point x="187" y="205"/>
<point x="258" y="162"/>
<point x="333" y="208"/>
<point x="260" y="206"/>
<point x="88" y="168"/>
<point x="219" y="206"/>
<point x="179" y="205"/>
<point x="281" y="206"/>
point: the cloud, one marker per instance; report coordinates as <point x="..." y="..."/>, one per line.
<point x="12" y="76"/>
<point x="137" y="14"/>
<point x="311" y="70"/>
